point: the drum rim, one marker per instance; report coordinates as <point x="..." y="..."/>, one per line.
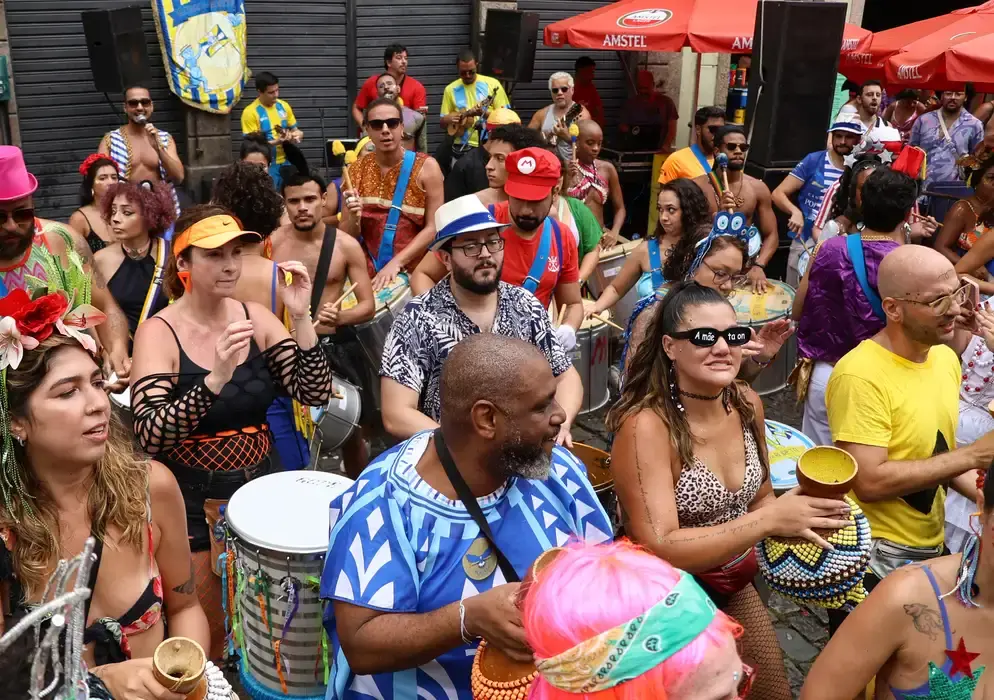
<point x="252" y="544"/>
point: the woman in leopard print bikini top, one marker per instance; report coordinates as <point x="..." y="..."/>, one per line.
<point x="692" y="491"/>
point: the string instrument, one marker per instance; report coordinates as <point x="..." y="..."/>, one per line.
<point x="468" y="116"/>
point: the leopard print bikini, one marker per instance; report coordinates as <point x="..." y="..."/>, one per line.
<point x="702" y="500"/>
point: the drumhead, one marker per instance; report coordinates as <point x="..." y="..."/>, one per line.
<point x="785" y="445"/>
<point x="287" y="511"/>
<point x="392" y="292"/>
<point x="620" y="250"/>
<point x="758" y="309"/>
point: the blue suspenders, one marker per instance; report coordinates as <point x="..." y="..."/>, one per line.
<point x="385" y="253"/>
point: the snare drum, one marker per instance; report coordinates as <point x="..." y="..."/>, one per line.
<point x="785" y="445"/>
<point x="611" y="262"/>
<point x="335" y="422"/>
<point x="278" y="529"/>
<point x="755" y="311"/>
<point x="390" y="301"/>
<point x="591" y="359"/>
<point x="598" y="464"/>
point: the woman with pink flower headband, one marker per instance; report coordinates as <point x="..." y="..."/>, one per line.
<point x="68" y="472"/>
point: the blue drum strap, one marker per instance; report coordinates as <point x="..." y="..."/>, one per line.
<point x="655" y="264"/>
<point x="541" y="258"/>
<point x="701" y="158"/>
<point x="390" y="230"/>
<point x="854" y="244"/>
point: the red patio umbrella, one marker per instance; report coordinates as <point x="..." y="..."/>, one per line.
<point x="721" y="26"/>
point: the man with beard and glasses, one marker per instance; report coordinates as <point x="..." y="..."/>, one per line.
<point x="893" y="404"/>
<point x="142" y="152"/>
<point x="946" y="135"/>
<point x="427" y="546"/>
<point x="698" y="157"/>
<point x="305" y="238"/>
<point x="415" y="134"/>
<point x="810" y="180"/>
<point x="746" y="194"/>
<point x="471" y="300"/>
<point x="24" y="238"/>
<point x="540" y="253"/>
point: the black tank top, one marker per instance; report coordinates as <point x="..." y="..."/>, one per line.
<point x="130" y="287"/>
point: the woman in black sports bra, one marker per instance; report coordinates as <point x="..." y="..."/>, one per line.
<point x="134" y="263"/>
<point x="207" y="368"/>
<point x="99" y="174"/>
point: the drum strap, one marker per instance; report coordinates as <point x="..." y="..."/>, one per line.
<point x="385" y="252"/>
<point x="468" y="500"/>
<point x="324" y="265"/>
<point x="854" y="244"/>
<point x="655" y="264"/>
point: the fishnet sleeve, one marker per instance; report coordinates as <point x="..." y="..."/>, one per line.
<point x="304" y="374"/>
<point x="162" y="421"/>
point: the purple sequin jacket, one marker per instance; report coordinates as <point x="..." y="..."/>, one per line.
<point x="837" y="315"/>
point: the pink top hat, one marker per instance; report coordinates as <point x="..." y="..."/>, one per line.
<point x="15" y="180"/>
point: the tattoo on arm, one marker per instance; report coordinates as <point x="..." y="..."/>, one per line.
<point x="926" y="620"/>
<point x="190" y="587"/>
<point x="638" y="472"/>
<point x="734" y="530"/>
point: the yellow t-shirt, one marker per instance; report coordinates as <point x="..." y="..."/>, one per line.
<point x="877" y="398"/>
<point x="682" y="163"/>
<point x="252" y="121"/>
<point x="458" y="96"/>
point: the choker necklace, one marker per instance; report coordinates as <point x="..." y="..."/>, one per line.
<point x="138" y="254"/>
<point x="703" y="397"/>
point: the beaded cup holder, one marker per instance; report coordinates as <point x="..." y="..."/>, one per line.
<point x="495" y="676"/>
<point x="803" y="571"/>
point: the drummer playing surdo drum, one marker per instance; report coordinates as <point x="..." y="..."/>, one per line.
<point x="412" y="580"/>
<point x="394" y="224"/>
<point x="745" y="194"/>
<point x="471" y="300"/>
<point x="532" y="173"/>
<point x="304" y="239"/>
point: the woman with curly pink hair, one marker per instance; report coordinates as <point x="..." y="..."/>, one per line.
<point x="134" y="263"/>
<point x="614" y="622"/>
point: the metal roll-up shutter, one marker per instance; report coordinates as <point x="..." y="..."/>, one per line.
<point x="433" y="31"/>
<point x="304" y="46"/>
<point x="531" y="97"/>
<point x="62" y="117"/>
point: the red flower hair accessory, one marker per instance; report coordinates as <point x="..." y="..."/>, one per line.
<point x="84" y="168"/>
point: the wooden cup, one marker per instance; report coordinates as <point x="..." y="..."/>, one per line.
<point x="179" y="665"/>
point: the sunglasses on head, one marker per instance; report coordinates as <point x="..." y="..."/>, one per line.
<point x="378" y="124"/>
<point x="736" y="336"/>
<point x="558" y="90"/>
<point x="144" y="102"/>
<point x="20" y="216"/>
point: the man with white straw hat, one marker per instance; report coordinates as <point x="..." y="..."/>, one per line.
<point x="470" y="300"/>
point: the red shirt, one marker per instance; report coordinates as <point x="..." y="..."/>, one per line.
<point x="412" y="92"/>
<point x="519" y="254"/>
<point x="587" y="95"/>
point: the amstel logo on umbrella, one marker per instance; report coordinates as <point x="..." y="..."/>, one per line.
<point x="643" y="19"/>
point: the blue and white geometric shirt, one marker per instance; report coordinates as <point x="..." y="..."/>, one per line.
<point x="400" y="546"/>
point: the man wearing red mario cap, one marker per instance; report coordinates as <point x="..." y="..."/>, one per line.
<point x="540" y="253"/>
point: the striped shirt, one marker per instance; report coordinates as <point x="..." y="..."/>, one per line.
<point x="817" y="174"/>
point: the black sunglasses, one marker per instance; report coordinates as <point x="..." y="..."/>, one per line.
<point x="20" y="216"/>
<point x="557" y="90"/>
<point x="378" y="124"/>
<point x="744" y="147"/>
<point x="735" y="336"/>
<point x="144" y="102"/>
<point x="713" y="129"/>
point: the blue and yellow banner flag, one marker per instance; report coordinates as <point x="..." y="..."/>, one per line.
<point x="203" y="46"/>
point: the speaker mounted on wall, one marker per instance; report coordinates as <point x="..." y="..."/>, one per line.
<point x="509" y="45"/>
<point x="115" y="41"/>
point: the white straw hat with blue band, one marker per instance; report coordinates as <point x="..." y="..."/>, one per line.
<point x="462" y="215"/>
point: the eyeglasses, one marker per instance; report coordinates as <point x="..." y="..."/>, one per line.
<point x="144" y="102"/>
<point x="378" y="124"/>
<point x="944" y="304"/>
<point x="744" y="147"/>
<point x="20" y="216"/>
<point x="745" y="684"/>
<point x="558" y="90"/>
<point x="736" y="336"/>
<point x="720" y="276"/>
<point x="475" y="249"/>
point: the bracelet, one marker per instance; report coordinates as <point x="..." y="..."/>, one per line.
<point x="462" y="625"/>
<point x="761" y="364"/>
<point x="761" y="266"/>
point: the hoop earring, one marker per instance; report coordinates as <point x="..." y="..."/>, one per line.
<point x="674" y="391"/>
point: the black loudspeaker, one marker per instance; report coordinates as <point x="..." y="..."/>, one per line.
<point x="777" y="267"/>
<point x="115" y="41"/>
<point x="795" y="60"/>
<point x="509" y="45"/>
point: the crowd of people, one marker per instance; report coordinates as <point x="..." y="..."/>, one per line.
<point x="156" y="358"/>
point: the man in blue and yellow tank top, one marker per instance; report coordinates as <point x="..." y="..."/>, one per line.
<point x="274" y="118"/>
<point x="464" y="99"/>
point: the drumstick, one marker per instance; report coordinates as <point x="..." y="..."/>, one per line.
<point x="562" y="314"/>
<point x="348" y="290"/>
<point x="605" y="319"/>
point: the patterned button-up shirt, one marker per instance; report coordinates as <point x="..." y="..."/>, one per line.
<point x="432" y="324"/>
<point x="964" y="136"/>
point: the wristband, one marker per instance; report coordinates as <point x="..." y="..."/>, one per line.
<point x="761" y="266"/>
<point x="761" y="364"/>
<point x="466" y="638"/>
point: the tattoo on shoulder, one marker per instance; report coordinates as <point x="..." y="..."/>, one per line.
<point x="926" y="620"/>
<point x="190" y="587"/>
